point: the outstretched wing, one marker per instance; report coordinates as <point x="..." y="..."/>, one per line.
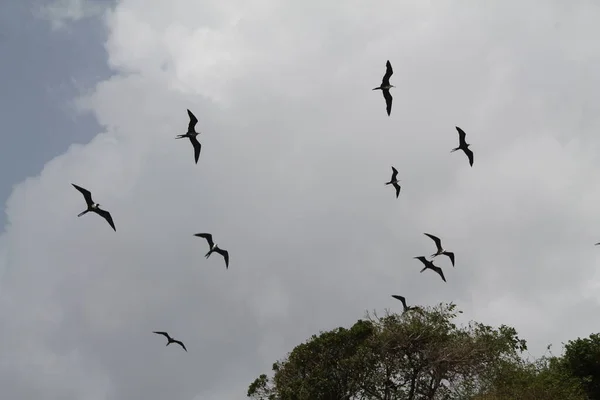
<point x="208" y="238"/>
<point x="397" y="189"/>
<point x="450" y="256"/>
<point x="225" y="255"/>
<point x="461" y="137"/>
<point x="469" y="154"/>
<point x="193" y="121"/>
<point x="180" y="343"/>
<point x="388" y="73"/>
<point x="86" y="194"/>
<point x="165" y="334"/>
<point x="401" y="298"/>
<point x="106" y="215"/>
<point x="197" y="147"/>
<point x="394" y="173"/>
<point x="438" y="242"/>
<point x="439" y="271"/>
<point x="388" y="100"/>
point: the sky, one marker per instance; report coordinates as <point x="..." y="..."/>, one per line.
<point x="296" y="149"/>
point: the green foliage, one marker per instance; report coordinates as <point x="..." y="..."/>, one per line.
<point x="582" y="359"/>
<point x="545" y="378"/>
<point x="420" y="354"/>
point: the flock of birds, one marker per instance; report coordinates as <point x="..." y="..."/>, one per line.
<point x="192" y="134"/>
<point x="394" y="181"/>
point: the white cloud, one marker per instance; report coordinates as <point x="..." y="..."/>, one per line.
<point x="296" y="148"/>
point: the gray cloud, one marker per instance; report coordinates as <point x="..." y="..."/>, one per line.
<point x="296" y="148"/>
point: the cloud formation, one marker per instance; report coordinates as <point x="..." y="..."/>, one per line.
<point x="296" y="148"/>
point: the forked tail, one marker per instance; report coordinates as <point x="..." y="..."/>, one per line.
<point x="83" y="213"/>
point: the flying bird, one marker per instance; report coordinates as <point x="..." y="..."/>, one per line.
<point x="463" y="145"/>
<point x="171" y="340"/>
<point x="403" y="300"/>
<point x="440" y="249"/>
<point x="429" y="265"/>
<point x="214" y="248"/>
<point x="191" y="133"/>
<point x="94" y="207"/>
<point x="394" y="182"/>
<point x="386" y="86"/>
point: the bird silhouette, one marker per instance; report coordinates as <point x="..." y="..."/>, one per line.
<point x="386" y="86"/>
<point x="171" y="340"/>
<point x="429" y="265"/>
<point x="463" y="145"/>
<point x="94" y="207"/>
<point x="394" y="182"/>
<point x="191" y="134"/>
<point x="440" y="250"/>
<point x="213" y="248"/>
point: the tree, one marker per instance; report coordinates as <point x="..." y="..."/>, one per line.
<point x="582" y="359"/>
<point x="545" y="378"/>
<point x="420" y="354"/>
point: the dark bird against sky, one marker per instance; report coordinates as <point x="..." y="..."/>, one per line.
<point x="191" y="133"/>
<point x="386" y="86"/>
<point x="94" y="207"/>
<point x="394" y="182"/>
<point x="403" y="300"/>
<point x="214" y="248"/>
<point x="463" y="145"/>
<point x="170" y="339"/>
<point x="440" y="249"/>
<point x="429" y="265"/>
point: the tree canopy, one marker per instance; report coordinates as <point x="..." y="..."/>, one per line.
<point x="420" y="354"/>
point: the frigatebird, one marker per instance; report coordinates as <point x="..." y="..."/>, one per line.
<point x="403" y="300"/>
<point x="191" y="133"/>
<point x="171" y="340"/>
<point x="386" y="86"/>
<point x="463" y="145"/>
<point x="94" y="207"/>
<point x="440" y="249"/>
<point x="429" y="265"/>
<point x="394" y="182"/>
<point x="214" y="248"/>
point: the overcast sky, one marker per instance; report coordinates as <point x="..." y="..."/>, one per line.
<point x="296" y="151"/>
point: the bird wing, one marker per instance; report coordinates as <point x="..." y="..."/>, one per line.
<point x="180" y="343"/>
<point x="388" y="100"/>
<point x="469" y="154"/>
<point x="388" y="73"/>
<point x="197" y="147"/>
<point x="401" y="298"/>
<point x="423" y="260"/>
<point x="106" y="215"/>
<point x="208" y="238"/>
<point x="439" y="271"/>
<point x="394" y="173"/>
<point x="86" y="194"/>
<point x="193" y="121"/>
<point x="397" y="189"/>
<point x="597" y="244"/>
<point x="438" y="242"/>
<point x="225" y="255"/>
<point x="450" y="255"/>
<point x="165" y="334"/>
<point x="461" y="137"/>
